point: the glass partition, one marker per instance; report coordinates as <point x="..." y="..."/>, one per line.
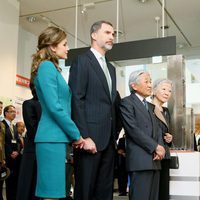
<point x="193" y="96"/>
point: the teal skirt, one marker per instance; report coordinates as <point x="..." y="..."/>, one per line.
<point x="50" y="170"/>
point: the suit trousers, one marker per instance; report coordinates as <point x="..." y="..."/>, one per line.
<point x="144" y="185"/>
<point x="12" y="180"/>
<point x="164" y="180"/>
<point x="27" y="177"/>
<point x="122" y="174"/>
<point x="94" y="174"/>
<point x="1" y="190"/>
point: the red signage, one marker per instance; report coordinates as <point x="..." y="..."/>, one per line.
<point x="23" y="81"/>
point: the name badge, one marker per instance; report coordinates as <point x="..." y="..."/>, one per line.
<point x="14" y="141"/>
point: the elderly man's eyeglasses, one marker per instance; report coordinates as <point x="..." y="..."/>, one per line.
<point x="11" y="111"/>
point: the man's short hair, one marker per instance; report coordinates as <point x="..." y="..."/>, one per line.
<point x="19" y="123"/>
<point x="97" y="25"/>
<point x="7" y="108"/>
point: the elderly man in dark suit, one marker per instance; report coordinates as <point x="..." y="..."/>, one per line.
<point x="144" y="148"/>
<point x="93" y="83"/>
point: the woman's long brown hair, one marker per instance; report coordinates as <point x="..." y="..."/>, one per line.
<point x="50" y="37"/>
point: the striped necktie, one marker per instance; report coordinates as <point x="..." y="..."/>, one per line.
<point x="12" y="130"/>
<point x="145" y="104"/>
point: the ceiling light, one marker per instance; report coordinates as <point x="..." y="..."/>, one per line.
<point x="157" y="18"/>
<point x="83" y="11"/>
<point x="143" y="1"/>
<point x="86" y="6"/>
<point x="31" y="19"/>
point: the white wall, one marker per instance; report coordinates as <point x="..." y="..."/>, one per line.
<point x="9" y="20"/>
<point x="16" y="49"/>
<point x="27" y="44"/>
<point x="120" y="81"/>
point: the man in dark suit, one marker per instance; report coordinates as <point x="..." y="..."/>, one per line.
<point x="144" y="148"/>
<point x="27" y="176"/>
<point x="121" y="165"/>
<point x="93" y="83"/>
<point x="12" y="151"/>
<point x="1" y="110"/>
<point x="2" y="149"/>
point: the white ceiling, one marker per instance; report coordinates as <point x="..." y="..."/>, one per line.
<point x="136" y="19"/>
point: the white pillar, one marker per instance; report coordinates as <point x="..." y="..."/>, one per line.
<point x="9" y="24"/>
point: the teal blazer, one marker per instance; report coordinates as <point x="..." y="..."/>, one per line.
<point x="54" y="95"/>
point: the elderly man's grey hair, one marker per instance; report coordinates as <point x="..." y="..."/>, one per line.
<point x="134" y="78"/>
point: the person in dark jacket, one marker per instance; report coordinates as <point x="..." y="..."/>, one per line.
<point x="27" y="178"/>
<point x="93" y="84"/>
<point x="122" y="173"/>
<point x="162" y="90"/>
<point x="12" y="151"/>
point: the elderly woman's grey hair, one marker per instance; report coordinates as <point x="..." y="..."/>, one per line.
<point x="160" y="81"/>
<point x="157" y="82"/>
<point x="134" y="78"/>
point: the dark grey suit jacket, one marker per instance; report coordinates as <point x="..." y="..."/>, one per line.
<point x="10" y="147"/>
<point x="27" y="175"/>
<point x="142" y="134"/>
<point x="31" y="114"/>
<point x="93" y="108"/>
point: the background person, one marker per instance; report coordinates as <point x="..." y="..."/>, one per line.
<point x="31" y="110"/>
<point x="2" y="138"/>
<point x="162" y="90"/>
<point x="55" y="127"/>
<point x="20" y="126"/>
<point x="69" y="173"/>
<point x="2" y="154"/>
<point x="1" y="110"/>
<point x="122" y="173"/>
<point x="12" y="151"/>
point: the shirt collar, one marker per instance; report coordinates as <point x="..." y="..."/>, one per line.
<point x="8" y="122"/>
<point x="1" y="118"/>
<point x="141" y="98"/>
<point x="96" y="53"/>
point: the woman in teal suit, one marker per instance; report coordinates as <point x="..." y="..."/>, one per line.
<point x="56" y="127"/>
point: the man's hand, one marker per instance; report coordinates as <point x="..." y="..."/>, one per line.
<point x="90" y="146"/>
<point x="14" y="154"/>
<point x="159" y="153"/>
<point x="121" y="152"/>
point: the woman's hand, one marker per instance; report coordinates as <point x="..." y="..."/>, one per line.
<point x="168" y="137"/>
<point x="87" y="144"/>
<point x="79" y="143"/>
